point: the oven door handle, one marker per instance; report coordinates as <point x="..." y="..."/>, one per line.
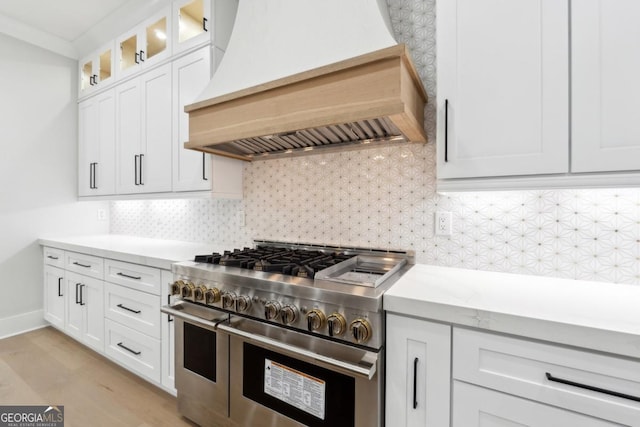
<point x="366" y="368"/>
<point x="199" y="321"/>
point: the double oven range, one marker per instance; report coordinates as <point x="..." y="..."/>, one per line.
<point x="283" y="335"/>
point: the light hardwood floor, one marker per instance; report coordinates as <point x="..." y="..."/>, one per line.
<point x="46" y="367"/>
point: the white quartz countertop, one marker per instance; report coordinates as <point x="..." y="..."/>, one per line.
<point x="596" y="315"/>
<point x="139" y="250"/>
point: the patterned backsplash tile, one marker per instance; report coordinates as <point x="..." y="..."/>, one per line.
<point x="386" y="198"/>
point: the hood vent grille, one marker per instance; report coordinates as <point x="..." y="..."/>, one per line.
<point x="372" y="99"/>
<point x="355" y="135"/>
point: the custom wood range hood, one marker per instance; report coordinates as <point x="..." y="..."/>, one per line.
<point x="301" y="79"/>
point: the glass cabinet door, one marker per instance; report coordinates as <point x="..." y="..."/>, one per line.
<point x="129" y="55"/>
<point x="86" y="79"/>
<point x="156" y="35"/>
<point x="104" y="63"/>
<point x="192" y="21"/>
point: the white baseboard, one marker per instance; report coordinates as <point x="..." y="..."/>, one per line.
<point x="21" y="323"/>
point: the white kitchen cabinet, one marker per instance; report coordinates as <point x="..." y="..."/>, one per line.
<point x="97" y="69"/>
<point x="84" y="318"/>
<point x="54" y="296"/>
<point x="503" y="85"/>
<point x="143" y="123"/>
<point x="605" y="66"/>
<point x="477" y="406"/>
<point x="97" y="145"/>
<point x="168" y="337"/>
<point x="191" y="23"/>
<point x="418" y="372"/>
<point x="144" y="45"/>
<point x="191" y="73"/>
<point x="133" y="350"/>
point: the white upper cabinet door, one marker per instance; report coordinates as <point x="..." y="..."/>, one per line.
<point x="96" y="70"/>
<point x="191" y="169"/>
<point x="191" y="23"/>
<point x="155" y="163"/>
<point x="96" y="145"/>
<point x="605" y="72"/>
<point x="503" y="87"/>
<point x="129" y="129"/>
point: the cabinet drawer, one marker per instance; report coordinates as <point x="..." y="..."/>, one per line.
<point x="53" y="256"/>
<point x="477" y="406"/>
<point x="133" y="276"/>
<point x="136" y="351"/>
<point x="138" y="310"/>
<point x="522" y="367"/>
<point x="88" y="265"/>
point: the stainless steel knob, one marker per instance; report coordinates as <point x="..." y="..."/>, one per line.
<point x="337" y="324"/>
<point x="228" y="299"/>
<point x="242" y="303"/>
<point x="212" y="296"/>
<point x="187" y="290"/>
<point x="361" y="330"/>
<point x="271" y="310"/>
<point x="176" y="287"/>
<point x="198" y="292"/>
<point x="289" y="314"/>
<point x="315" y="320"/>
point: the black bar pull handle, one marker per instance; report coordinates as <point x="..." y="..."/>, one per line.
<point x="52" y="257"/>
<point x="128" y="349"/>
<point x="91" y="81"/>
<point x="95" y="79"/>
<point x="142" y="55"/>
<point x="129" y="309"/>
<point x="77" y="293"/>
<point x="81" y="265"/>
<point x="169" y="318"/>
<point x="135" y="167"/>
<point x="141" y="174"/>
<point x="59" y="286"/>
<point x="446" y="130"/>
<point x="415" y="383"/>
<point x="204" y="24"/>
<point x="204" y="175"/>
<point x="129" y="277"/>
<point x="137" y="58"/>
<point x="592" y="388"/>
<point x="82" y="294"/>
<point x="91" y="176"/>
<point x="95" y="168"/>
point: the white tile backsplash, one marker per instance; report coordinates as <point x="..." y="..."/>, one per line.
<point x="385" y="197"/>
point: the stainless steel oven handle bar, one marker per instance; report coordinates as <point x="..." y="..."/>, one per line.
<point x="309" y="356"/>
<point x="207" y="324"/>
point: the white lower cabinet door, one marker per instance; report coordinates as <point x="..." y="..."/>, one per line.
<point x="84" y="318"/>
<point x="477" y="406"/>
<point x="418" y="372"/>
<point x="54" y="296"/>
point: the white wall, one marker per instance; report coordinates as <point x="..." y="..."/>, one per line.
<point x="38" y="170"/>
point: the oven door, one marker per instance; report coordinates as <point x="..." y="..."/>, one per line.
<point x="284" y="378"/>
<point x="201" y="364"/>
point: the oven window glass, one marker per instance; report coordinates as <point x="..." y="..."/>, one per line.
<point x="272" y="379"/>
<point x="200" y="351"/>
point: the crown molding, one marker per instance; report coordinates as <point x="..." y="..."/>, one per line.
<point x="36" y="37"/>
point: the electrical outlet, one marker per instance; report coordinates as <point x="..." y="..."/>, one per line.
<point x="443" y="223"/>
<point x="102" y="215"/>
<point x="241" y="220"/>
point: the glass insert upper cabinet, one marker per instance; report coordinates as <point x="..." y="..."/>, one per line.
<point x="145" y="44"/>
<point x="191" y="24"/>
<point x="96" y="70"/>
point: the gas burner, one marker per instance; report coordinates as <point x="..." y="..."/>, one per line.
<point x="277" y="259"/>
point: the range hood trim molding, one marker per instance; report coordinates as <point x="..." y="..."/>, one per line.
<point x="379" y="85"/>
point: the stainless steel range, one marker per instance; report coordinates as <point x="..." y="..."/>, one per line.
<point x="283" y="335"/>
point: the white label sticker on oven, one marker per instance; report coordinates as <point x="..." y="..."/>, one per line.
<point x="295" y="388"/>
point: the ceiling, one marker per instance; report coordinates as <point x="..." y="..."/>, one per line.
<point x="66" y="19"/>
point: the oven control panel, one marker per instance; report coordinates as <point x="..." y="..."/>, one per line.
<point x="316" y="317"/>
